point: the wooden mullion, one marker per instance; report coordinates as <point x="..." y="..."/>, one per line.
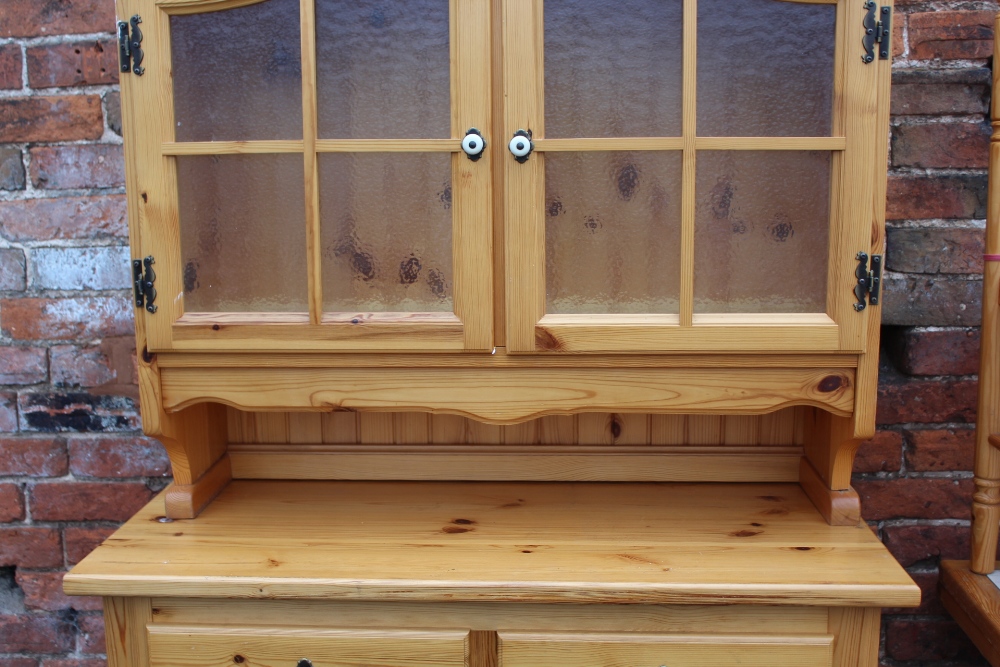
<point x="230" y="147"/>
<point x="689" y="131"/>
<point x="389" y="145"/>
<point x="311" y="163"/>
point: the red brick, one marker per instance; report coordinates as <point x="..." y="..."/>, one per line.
<point x="898" y="42"/>
<point x="35" y="633"/>
<point x="78" y="166"/>
<point x="91" y="634"/>
<point x="33" y="457"/>
<point x="930" y="603"/>
<point x="921" y="498"/>
<point x="927" y="639"/>
<point x="912" y="544"/>
<point x="64" y="218"/>
<point x="58" y="118"/>
<point x="883" y="453"/>
<point x="113" y="111"/>
<point x="23" y="365"/>
<point x="80" y="541"/>
<point x="921" y="351"/>
<point x="11" y="503"/>
<point x="86" y="366"/>
<point x="18" y="662"/>
<point x="30" y="547"/>
<point x="8" y="411"/>
<point x="83" y="317"/>
<point x="11" y="174"/>
<point x="951" y="35"/>
<point x="12" y="265"/>
<point x="76" y="64"/>
<point x="32" y="18"/>
<point x="925" y="197"/>
<point x="134" y="456"/>
<point x="87" y="501"/>
<point x="910" y="401"/>
<point x="954" y="145"/>
<point x="938" y="99"/>
<point x="935" y="250"/>
<point x="10" y="67"/>
<point x="80" y="412"/>
<point x="941" y="450"/>
<point x="74" y="662"/>
<point x="43" y="591"/>
<point x="931" y="300"/>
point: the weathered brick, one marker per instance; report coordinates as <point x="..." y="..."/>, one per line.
<point x="883" y="453"/>
<point x="18" y="662"/>
<point x="31" y="18"/>
<point x="134" y="456"/>
<point x="11" y="502"/>
<point x="923" y="351"/>
<point x="33" y="457"/>
<point x="948" y="98"/>
<point x="74" y="662"/>
<point x="95" y="268"/>
<point x="23" y="365"/>
<point x="923" y="197"/>
<point x="35" y="633"/>
<point x="30" y="547"/>
<point x="80" y="541"/>
<point x="78" y="166"/>
<point x="898" y="39"/>
<point x="85" y="413"/>
<point x="8" y="411"/>
<point x="930" y="603"/>
<point x="43" y="592"/>
<point x="12" y="278"/>
<point x="928" y="639"/>
<point x="113" y="111"/>
<point x="64" y="218"/>
<point x="913" y="544"/>
<point x="10" y="66"/>
<point x="92" y="640"/>
<point x="83" y="318"/>
<point x="904" y="401"/>
<point x="87" y="501"/>
<point x="941" y="145"/>
<point x="951" y="35"/>
<point x="917" y="300"/>
<point x="914" y="498"/>
<point x="74" y="64"/>
<point x="935" y="250"/>
<point x="11" y="168"/>
<point x="83" y="366"/>
<point x="56" y="118"/>
<point x="938" y="450"/>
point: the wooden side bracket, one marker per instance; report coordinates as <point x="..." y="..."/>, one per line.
<point x="838" y="507"/>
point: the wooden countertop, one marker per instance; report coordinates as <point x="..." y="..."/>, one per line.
<point x="527" y="542"/>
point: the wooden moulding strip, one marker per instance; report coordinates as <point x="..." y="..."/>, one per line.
<point x="230" y="147"/>
<point x="502" y="463"/>
<point x="839" y="508"/>
<point x="185" y="501"/>
<point x="974" y="602"/>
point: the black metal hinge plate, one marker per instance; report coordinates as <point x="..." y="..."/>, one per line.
<point x="130" y="53"/>
<point x="869" y="285"/>
<point x="878" y="30"/>
<point x="142" y="281"/>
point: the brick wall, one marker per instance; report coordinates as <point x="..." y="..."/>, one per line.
<point x="73" y="463"/>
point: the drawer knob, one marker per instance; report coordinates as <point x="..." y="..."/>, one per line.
<point x="305" y="662"/>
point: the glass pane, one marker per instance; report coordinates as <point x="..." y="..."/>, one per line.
<point x="386" y="232"/>
<point x="761" y="232"/>
<point x="612" y="232"/>
<point x="613" y="71"/>
<point x="243" y="233"/>
<point x="765" y="68"/>
<point x="237" y="73"/>
<point x="383" y="69"/>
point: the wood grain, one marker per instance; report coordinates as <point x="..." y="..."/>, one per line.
<point x="186" y="501"/>
<point x="841" y="507"/>
<point x="231" y="147"/>
<point x="974" y="602"/>
<point x="125" y="620"/>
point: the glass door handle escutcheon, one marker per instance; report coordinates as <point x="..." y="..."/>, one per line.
<point x="473" y="144"/>
<point x="521" y="145"/>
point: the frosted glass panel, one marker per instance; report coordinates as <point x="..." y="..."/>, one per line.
<point x="383" y="69"/>
<point x="612" y="232"/>
<point x="765" y="68"/>
<point x="612" y="70"/>
<point x="386" y="232"/>
<point x="237" y="73"/>
<point x="243" y="233"/>
<point x="761" y="232"/>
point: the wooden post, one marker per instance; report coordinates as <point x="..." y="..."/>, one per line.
<point x="986" y="500"/>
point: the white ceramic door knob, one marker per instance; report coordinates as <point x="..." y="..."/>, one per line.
<point x="473" y="144"/>
<point x="520" y="145"/>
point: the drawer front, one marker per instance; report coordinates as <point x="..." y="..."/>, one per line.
<point x="176" y="646"/>
<point x="645" y="650"/>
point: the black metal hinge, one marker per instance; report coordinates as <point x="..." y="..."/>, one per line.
<point x="145" y="293"/>
<point x="878" y="30"/>
<point x="130" y="53"/>
<point x="869" y="281"/>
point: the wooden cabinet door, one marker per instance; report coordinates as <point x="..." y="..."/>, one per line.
<point x="702" y="178"/>
<point x="296" y="173"/>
